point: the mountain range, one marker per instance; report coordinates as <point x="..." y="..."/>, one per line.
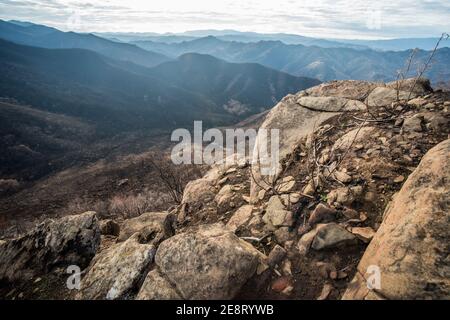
<point x="300" y="56"/>
<point x="117" y="94"/>
<point x="47" y="37"/>
<point x="322" y="63"/>
<point x="233" y="35"/>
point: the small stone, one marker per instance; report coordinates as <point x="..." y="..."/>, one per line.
<point x="261" y="268"/>
<point x="286" y="267"/>
<point x="322" y="213"/>
<point x="412" y="124"/>
<point x="326" y="290"/>
<point x="399" y="179"/>
<point x="261" y="194"/>
<point x="287" y="291"/>
<point x="342" y="177"/>
<point x="362" y="216"/>
<point x="295" y="197"/>
<point x="306" y="240"/>
<point x="332" y="235"/>
<point x="350" y="213"/>
<point x="286" y="184"/>
<point x="276" y="255"/>
<point x="240" y="217"/>
<point x="282" y="234"/>
<point x="37" y="280"/>
<point x="364" y="233"/>
<point x="276" y="213"/>
<point x="280" y="284"/>
<point x="325" y="269"/>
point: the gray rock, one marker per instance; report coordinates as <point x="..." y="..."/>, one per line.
<point x="322" y="213"/>
<point x="276" y="255"/>
<point x="152" y="227"/>
<point x="208" y="263"/>
<point x="71" y="240"/>
<point x="116" y="271"/>
<point x="332" y="235"/>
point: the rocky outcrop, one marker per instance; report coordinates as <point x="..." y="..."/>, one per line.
<point x="72" y="240"/>
<point x="116" y="271"/>
<point x="412" y="245"/>
<point x="152" y="227"/>
<point x="298" y="115"/>
<point x="208" y="263"/>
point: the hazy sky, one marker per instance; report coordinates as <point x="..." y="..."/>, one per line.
<point x="324" y="18"/>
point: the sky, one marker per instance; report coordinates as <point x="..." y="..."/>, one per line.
<point x="355" y="19"/>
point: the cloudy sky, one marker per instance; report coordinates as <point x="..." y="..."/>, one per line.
<point x="323" y="18"/>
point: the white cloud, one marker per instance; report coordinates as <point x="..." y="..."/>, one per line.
<point x="325" y="18"/>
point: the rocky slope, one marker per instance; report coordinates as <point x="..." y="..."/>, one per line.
<point x="363" y="185"/>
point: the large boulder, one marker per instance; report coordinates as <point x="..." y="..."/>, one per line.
<point x="201" y="191"/>
<point x="420" y="86"/>
<point x="383" y="96"/>
<point x="153" y="227"/>
<point x="117" y="270"/>
<point x="295" y="117"/>
<point x="208" y="263"/>
<point x="350" y="89"/>
<point x="71" y="240"/>
<point x="412" y="244"/>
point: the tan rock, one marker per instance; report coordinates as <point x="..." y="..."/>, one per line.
<point x="363" y="233"/>
<point x="152" y="227"/>
<point x="411" y="246"/>
<point x="383" y="96"/>
<point x="276" y="213"/>
<point x="322" y="213"/>
<point x="207" y="263"/>
<point x="354" y="137"/>
<point x="286" y="184"/>
<point x="240" y="217"/>
<point x="155" y="287"/>
<point x="350" y="89"/>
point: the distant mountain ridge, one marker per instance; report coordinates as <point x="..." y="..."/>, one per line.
<point x="324" y="64"/>
<point x="51" y="38"/>
<point x="233" y="35"/>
